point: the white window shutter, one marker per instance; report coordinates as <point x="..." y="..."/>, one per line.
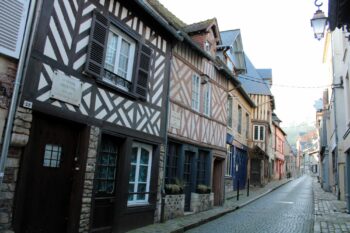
<point x="13" y="17"/>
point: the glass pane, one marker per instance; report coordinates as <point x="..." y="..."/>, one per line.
<point x="144" y="156"/>
<point x="104" y="159"/>
<point x="143" y="174"/>
<point x="111" y="173"/>
<point x="46" y="163"/>
<point x="123" y="59"/>
<point x="102" y="186"/>
<point x="111" y="51"/>
<point x="103" y="172"/>
<point x="132" y="173"/>
<point x="112" y="158"/>
<point x="110" y="186"/>
<point x="134" y="155"/>
<point x="141" y="189"/>
<point x="47" y="154"/>
<point x="131" y="190"/>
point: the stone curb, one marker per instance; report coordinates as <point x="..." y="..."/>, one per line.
<point x="230" y="210"/>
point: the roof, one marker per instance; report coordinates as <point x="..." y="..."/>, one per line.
<point x="252" y="82"/>
<point x="275" y="117"/>
<point x="265" y="73"/>
<point x="165" y="13"/>
<point x="199" y="26"/>
<point x="229" y="37"/>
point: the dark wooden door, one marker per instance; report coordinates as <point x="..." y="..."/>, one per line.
<point x="51" y="156"/>
<point x="255" y="171"/>
<point x="188" y="178"/>
<point x="217" y="182"/>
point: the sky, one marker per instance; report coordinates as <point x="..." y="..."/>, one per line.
<point x="276" y="34"/>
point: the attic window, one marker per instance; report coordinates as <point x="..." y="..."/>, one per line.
<point x="207" y="46"/>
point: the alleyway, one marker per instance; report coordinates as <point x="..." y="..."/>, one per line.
<point x="287" y="209"/>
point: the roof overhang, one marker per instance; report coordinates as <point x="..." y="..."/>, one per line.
<point x="338" y="14"/>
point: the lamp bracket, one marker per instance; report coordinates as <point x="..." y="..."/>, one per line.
<point x="318" y="4"/>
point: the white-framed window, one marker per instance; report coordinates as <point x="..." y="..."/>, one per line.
<point x="259" y="133"/>
<point x="239" y="126"/>
<point x="119" y="58"/>
<point x="140" y="173"/>
<point x="207" y="99"/>
<point x="229" y="111"/>
<point x="195" y="92"/>
<point x="228" y="161"/>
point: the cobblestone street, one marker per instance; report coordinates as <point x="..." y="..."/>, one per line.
<point x="287" y="209"/>
<point x="330" y="213"/>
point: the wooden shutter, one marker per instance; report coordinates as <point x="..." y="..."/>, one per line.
<point x="97" y="45"/>
<point x="13" y="17"/>
<point x="142" y="73"/>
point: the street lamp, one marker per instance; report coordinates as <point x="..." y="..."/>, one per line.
<point x="319" y="22"/>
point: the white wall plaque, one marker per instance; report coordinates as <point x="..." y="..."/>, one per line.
<point x="175" y="120"/>
<point x="66" y="89"/>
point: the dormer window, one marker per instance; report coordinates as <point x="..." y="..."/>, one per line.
<point x="207" y="46"/>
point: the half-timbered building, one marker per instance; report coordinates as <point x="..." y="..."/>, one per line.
<point x="197" y="112"/>
<point x="95" y="88"/>
<point x="257" y="85"/>
<point x="239" y="113"/>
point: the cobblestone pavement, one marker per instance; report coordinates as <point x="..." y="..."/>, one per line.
<point x="231" y="204"/>
<point x="289" y="209"/>
<point x="330" y="213"/>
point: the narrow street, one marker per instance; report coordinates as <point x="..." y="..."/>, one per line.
<point x="287" y="209"/>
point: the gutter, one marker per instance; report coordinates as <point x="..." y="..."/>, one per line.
<point x="16" y="88"/>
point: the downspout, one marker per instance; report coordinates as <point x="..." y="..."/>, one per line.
<point x="16" y="90"/>
<point x="162" y="220"/>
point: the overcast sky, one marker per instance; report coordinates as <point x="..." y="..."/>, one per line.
<point x="276" y="34"/>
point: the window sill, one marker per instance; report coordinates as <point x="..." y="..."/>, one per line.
<point x="140" y="208"/>
<point x="128" y="94"/>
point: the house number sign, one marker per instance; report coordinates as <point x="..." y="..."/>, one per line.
<point x="175" y="120"/>
<point x="66" y="89"/>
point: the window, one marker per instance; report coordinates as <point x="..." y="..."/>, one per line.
<point x="207" y="99"/>
<point x="239" y="126"/>
<point x="140" y="173"/>
<point x="229" y="111"/>
<point x="259" y="133"/>
<point x="207" y="47"/>
<point x="202" y="168"/>
<point x="112" y="52"/>
<point x="247" y="125"/>
<point x="195" y="92"/>
<point x="106" y="166"/>
<point x="52" y="156"/>
<point x="172" y="163"/>
<point x="228" y="161"/>
<point x="119" y="59"/>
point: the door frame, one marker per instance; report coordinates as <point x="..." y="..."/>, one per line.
<point x="75" y="198"/>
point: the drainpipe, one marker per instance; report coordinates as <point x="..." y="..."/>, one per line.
<point x="16" y="89"/>
<point x="162" y="220"/>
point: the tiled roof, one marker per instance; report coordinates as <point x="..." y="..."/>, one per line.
<point x="164" y="12"/>
<point x="252" y="82"/>
<point x="199" y="26"/>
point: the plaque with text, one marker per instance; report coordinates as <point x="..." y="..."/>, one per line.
<point x="65" y="88"/>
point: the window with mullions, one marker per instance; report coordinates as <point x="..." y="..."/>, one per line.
<point x="207" y="99"/>
<point x="106" y="166"/>
<point x="202" y="168"/>
<point x="229" y="111"/>
<point x="112" y="51"/>
<point x="52" y="156"/>
<point x="119" y="59"/>
<point x="239" y="126"/>
<point x="195" y="92"/>
<point x="228" y="161"/>
<point x="172" y="163"/>
<point x="259" y="133"/>
<point x="140" y="173"/>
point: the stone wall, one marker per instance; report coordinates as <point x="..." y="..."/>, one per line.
<point x="20" y="136"/>
<point x="89" y="178"/>
<point x="157" y="213"/>
<point x="201" y="202"/>
<point x="228" y="184"/>
<point x="174" y="206"/>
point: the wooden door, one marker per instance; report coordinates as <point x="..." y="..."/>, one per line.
<point x="255" y="171"/>
<point x="50" y="169"/>
<point x="217" y="182"/>
<point x="188" y="178"/>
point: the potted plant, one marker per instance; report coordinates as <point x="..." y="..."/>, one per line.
<point x="203" y="189"/>
<point x="174" y="188"/>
